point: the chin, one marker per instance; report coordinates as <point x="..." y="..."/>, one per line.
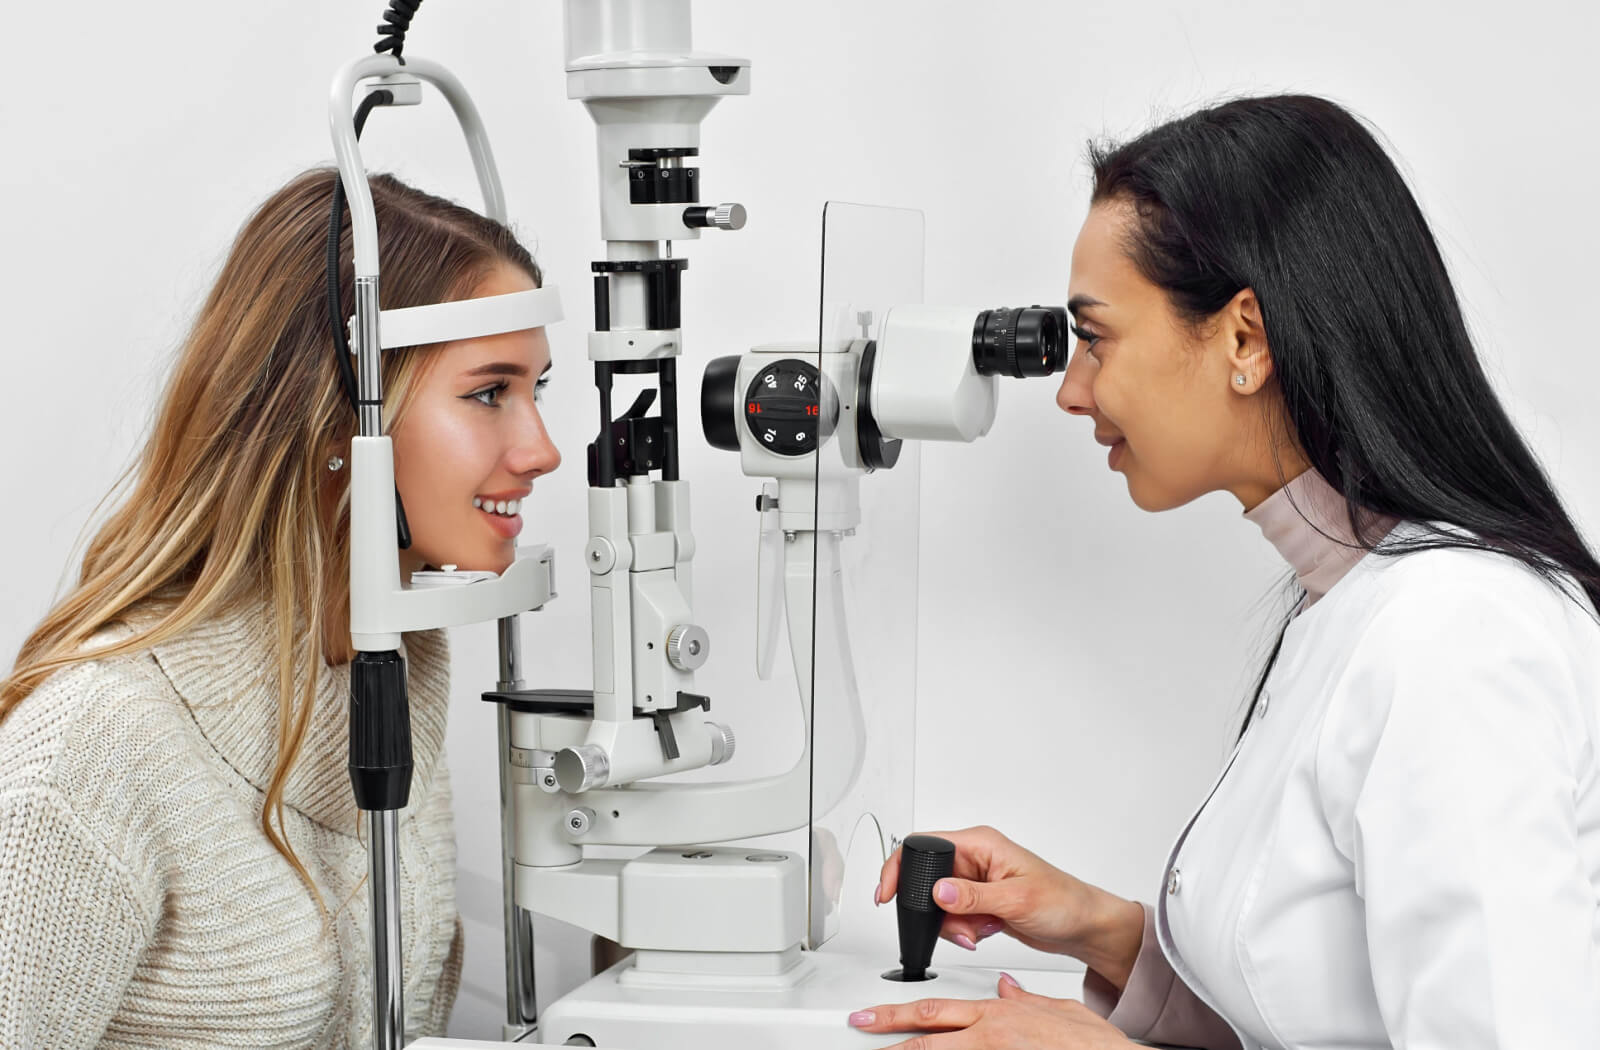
<point x="1152" y="498"/>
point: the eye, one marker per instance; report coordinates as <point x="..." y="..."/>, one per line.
<point x="489" y="395"/>
<point x="538" y="388"/>
<point x="1085" y="339"/>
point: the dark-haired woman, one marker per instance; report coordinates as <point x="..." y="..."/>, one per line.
<point x="1404" y="848"/>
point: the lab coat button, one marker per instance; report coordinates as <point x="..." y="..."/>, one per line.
<point x="1173" y="878"/>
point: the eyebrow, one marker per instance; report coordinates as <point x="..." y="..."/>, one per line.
<point x="503" y="368"/>
<point x="1078" y="302"/>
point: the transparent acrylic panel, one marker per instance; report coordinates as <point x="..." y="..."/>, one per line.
<point x="865" y="549"/>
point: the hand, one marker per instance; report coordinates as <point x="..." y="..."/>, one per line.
<point x="999" y="887"/>
<point x="1017" y="1019"/>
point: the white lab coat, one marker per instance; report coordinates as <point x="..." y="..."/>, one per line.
<point x="1404" y="849"/>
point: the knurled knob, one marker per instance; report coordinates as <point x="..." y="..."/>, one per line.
<point x="728" y="216"/>
<point x="722" y="742"/>
<point x="688" y="647"/>
<point x="924" y="860"/>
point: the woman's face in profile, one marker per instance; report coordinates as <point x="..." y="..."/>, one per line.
<point x="1158" y="393"/>
<point x="472" y="441"/>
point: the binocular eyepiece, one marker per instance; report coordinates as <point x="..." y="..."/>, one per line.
<point x="1022" y="342"/>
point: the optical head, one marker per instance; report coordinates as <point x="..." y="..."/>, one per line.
<point x="1020" y="341"/>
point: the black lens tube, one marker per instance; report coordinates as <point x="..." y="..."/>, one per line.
<point x="1020" y="341"/>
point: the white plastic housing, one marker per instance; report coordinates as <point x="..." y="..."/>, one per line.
<point x="925" y="385"/>
<point x="601" y="27"/>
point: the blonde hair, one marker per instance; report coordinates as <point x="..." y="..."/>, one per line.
<point x="231" y="496"/>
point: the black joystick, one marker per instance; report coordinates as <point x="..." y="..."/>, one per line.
<point x="924" y="860"/>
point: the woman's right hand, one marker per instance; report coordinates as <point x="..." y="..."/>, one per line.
<point x="1000" y="887"/>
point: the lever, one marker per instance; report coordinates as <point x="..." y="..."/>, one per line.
<point x="924" y="860"/>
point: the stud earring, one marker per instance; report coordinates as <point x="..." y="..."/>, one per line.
<point x="1239" y="380"/>
<point x="335" y="463"/>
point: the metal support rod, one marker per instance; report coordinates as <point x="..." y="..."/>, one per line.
<point x="522" y="1008"/>
<point x="369" y="375"/>
<point x="388" y="994"/>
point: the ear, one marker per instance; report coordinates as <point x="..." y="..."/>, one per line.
<point x="1245" y="342"/>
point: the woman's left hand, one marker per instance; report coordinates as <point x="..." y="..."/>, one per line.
<point x="1016" y="1019"/>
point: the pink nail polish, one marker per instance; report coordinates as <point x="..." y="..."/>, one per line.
<point x="944" y="893"/>
<point x="862" y="1018"/>
<point x="965" y="942"/>
<point x="989" y="929"/>
<point x="1008" y="979"/>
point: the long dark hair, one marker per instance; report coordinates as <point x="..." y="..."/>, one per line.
<point x="1293" y="197"/>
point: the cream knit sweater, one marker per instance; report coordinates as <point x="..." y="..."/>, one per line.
<point x="140" y="903"/>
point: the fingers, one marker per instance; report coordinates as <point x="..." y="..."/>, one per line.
<point x="924" y="1015"/>
<point x="1010" y="990"/>
<point x="967" y="931"/>
<point x="889" y="875"/>
<point x="888" y="879"/>
<point x="990" y="900"/>
<point x="975" y="852"/>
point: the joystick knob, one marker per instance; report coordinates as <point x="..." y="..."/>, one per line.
<point x="924" y="860"/>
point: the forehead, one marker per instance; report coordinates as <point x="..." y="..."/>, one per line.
<point x="1100" y="264"/>
<point x="528" y="348"/>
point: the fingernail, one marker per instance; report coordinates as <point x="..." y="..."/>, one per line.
<point x="965" y="942"/>
<point x="877" y="895"/>
<point x="944" y="892"/>
<point x="989" y="929"/>
<point x="862" y="1018"/>
<point x="1008" y="979"/>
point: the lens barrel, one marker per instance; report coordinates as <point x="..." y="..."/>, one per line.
<point x="1020" y="341"/>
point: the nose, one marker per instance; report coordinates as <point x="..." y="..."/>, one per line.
<point x="533" y="452"/>
<point x="1076" y="395"/>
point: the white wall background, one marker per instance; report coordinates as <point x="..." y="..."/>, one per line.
<point x="1082" y="663"/>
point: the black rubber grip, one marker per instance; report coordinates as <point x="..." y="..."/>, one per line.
<point x="380" y="731"/>
<point x="924" y="860"/>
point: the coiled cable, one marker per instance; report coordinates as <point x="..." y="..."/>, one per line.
<point x="396" y="20"/>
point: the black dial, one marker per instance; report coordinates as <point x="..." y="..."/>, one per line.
<point x="786" y="406"/>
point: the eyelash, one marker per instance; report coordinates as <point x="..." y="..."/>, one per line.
<point x="499" y="388"/>
<point x="1084" y="337"/>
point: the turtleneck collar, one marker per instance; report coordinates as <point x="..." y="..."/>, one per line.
<point x="226" y="671"/>
<point x="1307" y="522"/>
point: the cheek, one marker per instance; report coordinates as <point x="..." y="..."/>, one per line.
<point x="438" y="449"/>
<point x="442" y="458"/>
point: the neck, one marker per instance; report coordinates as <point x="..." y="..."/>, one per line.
<point x="1308" y="522"/>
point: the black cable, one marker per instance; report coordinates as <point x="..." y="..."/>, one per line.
<point x="341" y="345"/>
<point x="396" y="20"/>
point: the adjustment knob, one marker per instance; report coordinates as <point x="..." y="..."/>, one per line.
<point x="722" y="742"/>
<point x="582" y="768"/>
<point x="924" y="860"/>
<point x="688" y="647"/>
<point x="720" y="216"/>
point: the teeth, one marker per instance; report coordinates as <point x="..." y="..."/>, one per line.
<point x="505" y="506"/>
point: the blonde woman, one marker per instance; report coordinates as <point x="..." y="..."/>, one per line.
<point x="180" y="856"/>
